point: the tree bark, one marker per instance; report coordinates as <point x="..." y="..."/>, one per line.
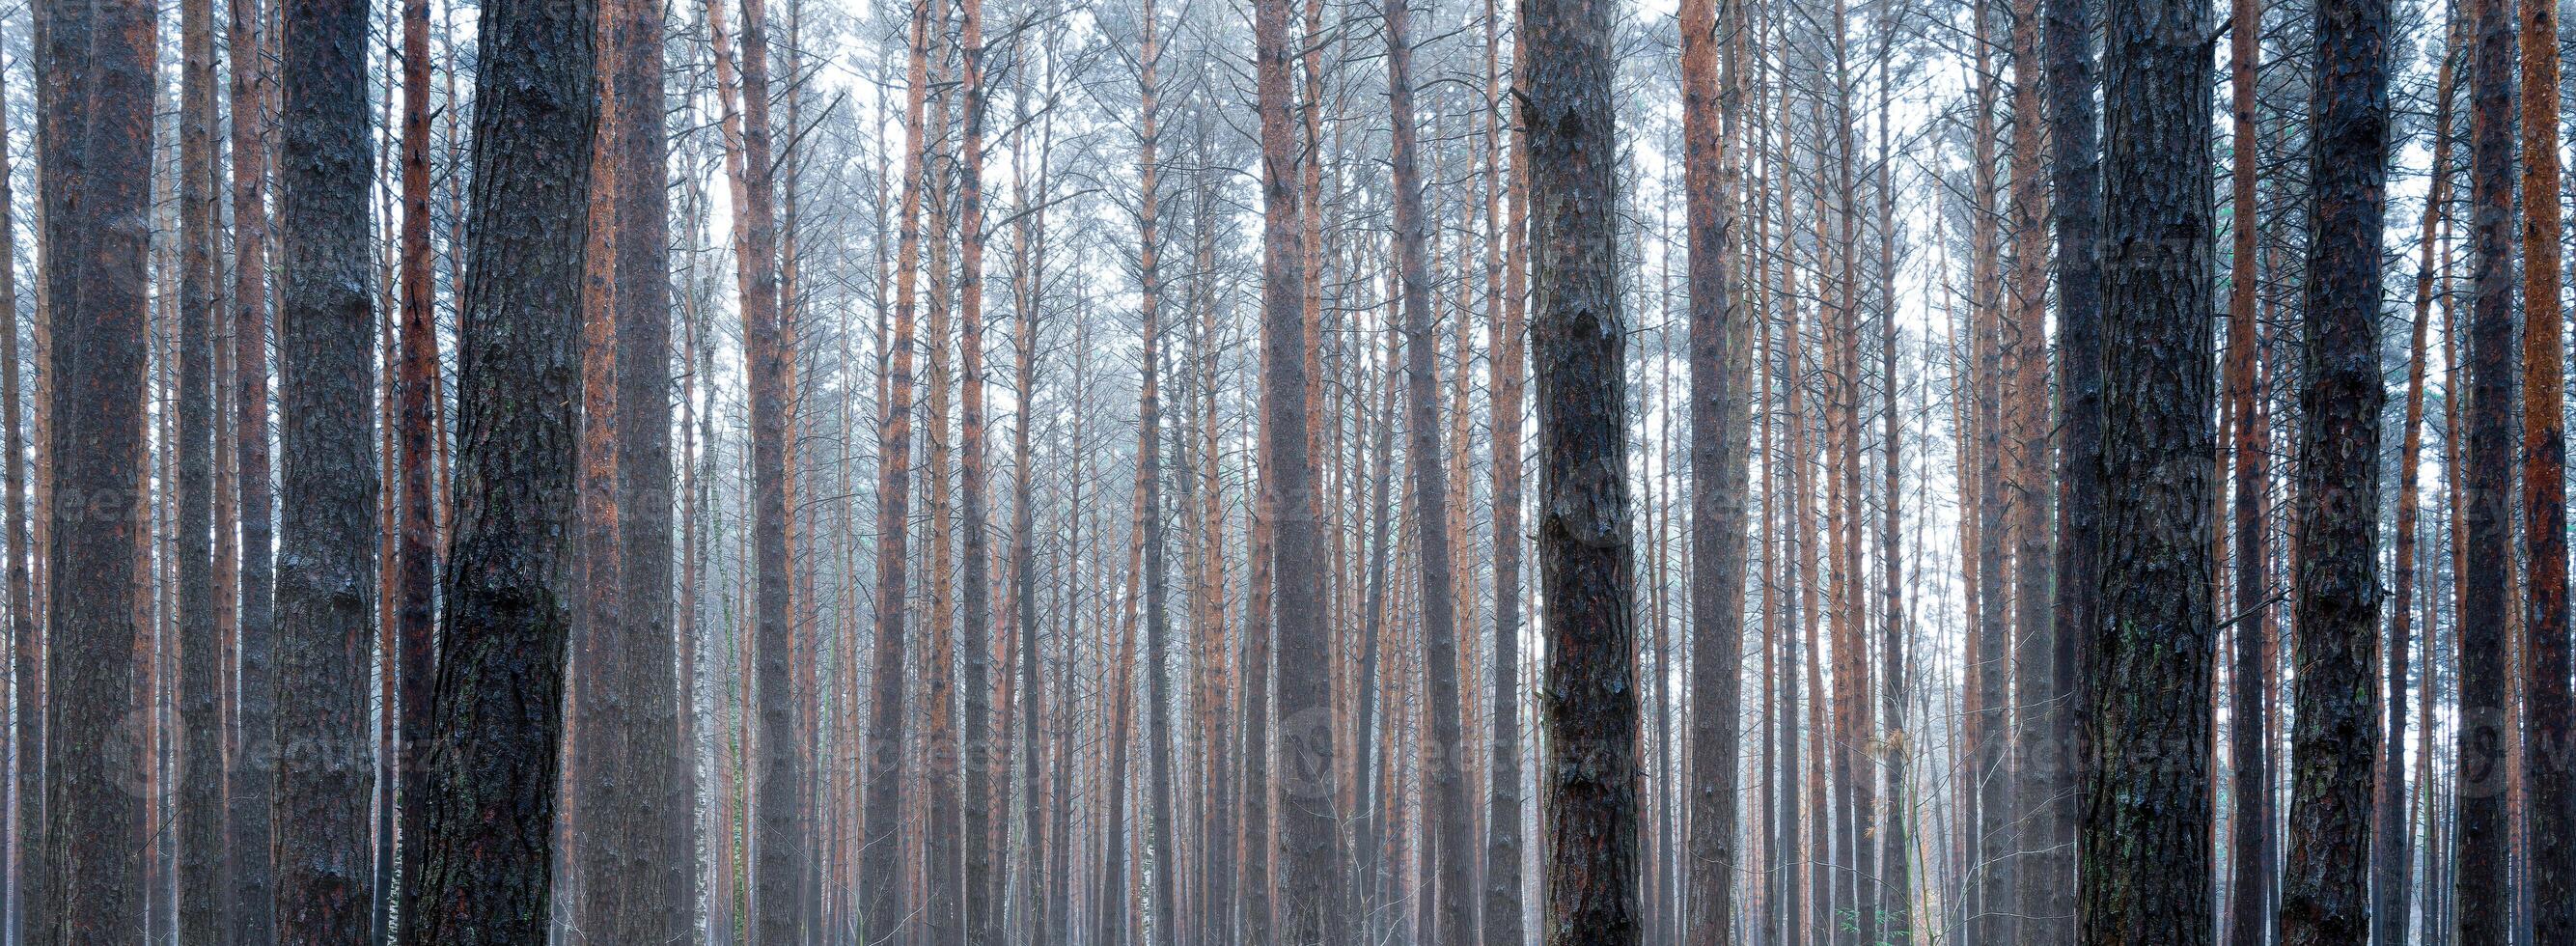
<point x="2334" y="741"/>
<point x="94" y="70"/>
<point x="485" y="857"/>
<point x="880" y="754"/>
<point x="253" y="776"/>
<point x="2483" y="884"/>
<point x="2144" y="860"/>
<point x="1307" y="779"/>
<point x="2075" y="169"/>
<point x="1449" y="815"/>
<point x="1590" y="779"/>
<point x="1720" y="333"/>
<point x="2552" y="828"/>
<point x="201" y="771"/>
<point x="326" y="580"/>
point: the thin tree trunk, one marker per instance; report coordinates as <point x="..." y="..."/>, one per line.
<point x="2249" y="703"/>
<point x="254" y="764"/>
<point x="2075" y="170"/>
<point x="2552" y="827"/>
<point x="883" y="787"/>
<point x="201" y="774"/>
<point x="1720" y="336"/>
<point x="2485" y="480"/>
<point x="416" y="559"/>
<point x="1450" y="817"/>
<point x="1505" y="899"/>
<point x="2393" y="833"/>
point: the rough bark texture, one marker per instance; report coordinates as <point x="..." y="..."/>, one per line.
<point x="2144" y="860"/>
<point x="201" y="765"/>
<point x="486" y="854"/>
<point x="2334" y="742"/>
<point x="95" y="80"/>
<point x="2482" y="881"/>
<point x="1589" y="779"/>
<point x="326" y="576"/>
<point x="1720" y="335"/>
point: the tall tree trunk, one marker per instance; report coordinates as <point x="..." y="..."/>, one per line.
<point x="980" y="759"/>
<point x="2144" y="861"/>
<point x="1450" y="817"/>
<point x="95" y="71"/>
<point x="2552" y="840"/>
<point x="25" y="737"/>
<point x="880" y="753"/>
<point x="640" y="888"/>
<point x="253" y="776"/>
<point x="1720" y="334"/>
<point x="2393" y="831"/>
<point x="1505" y="899"/>
<point x="1590" y="779"/>
<point x="1157" y="701"/>
<point x="2249" y="898"/>
<point x="486" y="851"/>
<point x="2334" y="741"/>
<point x="768" y="357"/>
<point x="1308" y="844"/>
<point x="201" y="773"/>
<point x="326" y="581"/>
<point x="2045" y="904"/>
<point x="417" y="390"/>
<point x="2075" y="216"/>
<point x="2483" y="884"/>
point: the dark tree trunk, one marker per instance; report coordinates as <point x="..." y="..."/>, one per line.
<point x="982" y="762"/>
<point x="94" y="84"/>
<point x="326" y="580"/>
<point x="1720" y="333"/>
<point x="2074" y="165"/>
<point x="2334" y="742"/>
<point x="2144" y="860"/>
<point x="780" y="848"/>
<point x="485" y="856"/>
<point x="1589" y="782"/>
<point x="2483" y="879"/>
<point x="252" y="780"/>
<point x="201" y="768"/>
<point x="25" y="739"/>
